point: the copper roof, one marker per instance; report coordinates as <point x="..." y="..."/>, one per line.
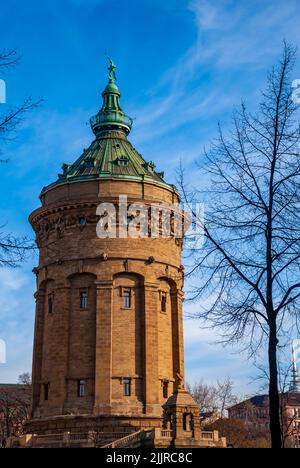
<point x="111" y="154"/>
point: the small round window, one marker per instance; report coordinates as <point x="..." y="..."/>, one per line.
<point x="82" y="220"/>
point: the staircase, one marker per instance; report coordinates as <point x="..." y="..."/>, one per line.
<point x="131" y="441"/>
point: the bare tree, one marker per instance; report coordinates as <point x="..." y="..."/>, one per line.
<point x="14" y="409"/>
<point x="225" y="395"/>
<point x="249" y="265"/>
<point x="238" y="435"/>
<point x="25" y="378"/>
<point x="8" y="58"/>
<point x="213" y="398"/>
<point x="289" y="422"/>
<point x="204" y="395"/>
<point x="13" y="250"/>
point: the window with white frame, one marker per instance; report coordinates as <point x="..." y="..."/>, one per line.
<point x="163" y="301"/>
<point x="83" y="299"/>
<point x="81" y="387"/>
<point x="127" y="298"/>
<point x="127" y="387"/>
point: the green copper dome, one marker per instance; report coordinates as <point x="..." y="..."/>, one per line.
<point x="110" y="155"/>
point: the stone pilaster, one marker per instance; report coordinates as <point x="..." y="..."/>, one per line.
<point x="177" y="332"/>
<point x="103" y="368"/>
<point x="57" y="363"/>
<point x="151" y="388"/>
<point x="38" y="347"/>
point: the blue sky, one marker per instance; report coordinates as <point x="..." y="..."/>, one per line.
<point x="182" y="66"/>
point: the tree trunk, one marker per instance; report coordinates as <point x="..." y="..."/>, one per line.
<point x="275" y="427"/>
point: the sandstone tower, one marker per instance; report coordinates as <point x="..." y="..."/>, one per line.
<point x="108" y="346"/>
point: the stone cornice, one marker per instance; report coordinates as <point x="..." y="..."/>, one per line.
<point x="109" y="259"/>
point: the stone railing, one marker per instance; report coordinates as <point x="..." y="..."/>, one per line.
<point x="207" y="435"/>
<point x="127" y="441"/>
<point x="111" y="117"/>
<point x="212" y="438"/>
<point x="140" y="438"/>
<point x="54" y="440"/>
<point x="166" y="433"/>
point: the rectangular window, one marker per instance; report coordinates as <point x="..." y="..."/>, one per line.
<point x="163" y="301"/>
<point x="81" y="388"/>
<point x="165" y="389"/>
<point x="127" y="298"/>
<point x="123" y="161"/>
<point x="50" y="303"/>
<point x="127" y="387"/>
<point x="84" y="299"/>
<point x="46" y="391"/>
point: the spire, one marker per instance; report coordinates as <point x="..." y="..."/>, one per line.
<point x="111" y="116"/>
<point x="295" y="385"/>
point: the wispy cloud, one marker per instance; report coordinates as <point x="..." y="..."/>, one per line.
<point x="206" y="14"/>
<point x="229" y="38"/>
<point x="234" y="47"/>
<point x="52" y="139"/>
<point x="234" y="34"/>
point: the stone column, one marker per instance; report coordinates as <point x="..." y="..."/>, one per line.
<point x="151" y="380"/>
<point x="103" y="367"/>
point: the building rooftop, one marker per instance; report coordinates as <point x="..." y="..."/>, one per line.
<point x="256" y="400"/>
<point x="110" y="155"/>
<point x="263" y="400"/>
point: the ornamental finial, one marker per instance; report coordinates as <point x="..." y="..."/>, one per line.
<point x="112" y="70"/>
<point x="111" y="115"/>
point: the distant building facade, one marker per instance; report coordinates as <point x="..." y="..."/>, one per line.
<point x="254" y="412"/>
